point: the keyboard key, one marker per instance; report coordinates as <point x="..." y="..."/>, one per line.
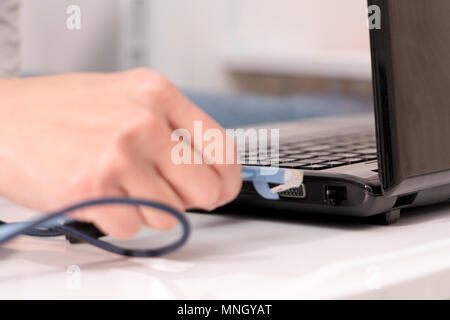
<point x="315" y="154"/>
<point x="344" y="149"/>
<point x="295" y="164"/>
<point x="361" y="146"/>
<point x="285" y="148"/>
<point x="323" y="153"/>
<point x="335" y="164"/>
<point x="287" y="154"/>
<point x="302" y="156"/>
<point x="316" y="167"/>
<point x="320" y="154"/>
<point x="367" y="151"/>
<point x="369" y="157"/>
<point x="346" y="143"/>
<point x="345" y="155"/>
<point x="284" y="160"/>
<point x="304" y="144"/>
<point x="316" y="161"/>
<point x="328" y="158"/>
<point x="317" y="148"/>
<point x="353" y="160"/>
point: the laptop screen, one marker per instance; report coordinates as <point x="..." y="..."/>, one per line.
<point x="411" y="54"/>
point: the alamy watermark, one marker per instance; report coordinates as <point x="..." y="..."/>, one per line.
<point x="374" y="20"/>
<point x="212" y="146"/>
<point x="73" y="281"/>
<point x="73" y="21"/>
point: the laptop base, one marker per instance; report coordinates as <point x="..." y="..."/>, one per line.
<point x="350" y="190"/>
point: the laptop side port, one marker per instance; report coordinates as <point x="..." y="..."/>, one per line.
<point x="405" y="200"/>
<point x="294" y="193"/>
<point x="335" y="195"/>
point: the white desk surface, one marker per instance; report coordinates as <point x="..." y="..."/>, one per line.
<point x="237" y="257"/>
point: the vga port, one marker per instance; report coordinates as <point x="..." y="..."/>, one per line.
<point x="294" y="193"/>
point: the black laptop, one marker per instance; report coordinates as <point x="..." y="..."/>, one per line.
<point x="361" y="166"/>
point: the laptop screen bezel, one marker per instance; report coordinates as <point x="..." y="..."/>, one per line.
<point x="385" y="115"/>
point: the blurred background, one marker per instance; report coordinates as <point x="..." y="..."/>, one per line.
<point x="243" y="61"/>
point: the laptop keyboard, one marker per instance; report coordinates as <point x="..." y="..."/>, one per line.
<point x="319" y="154"/>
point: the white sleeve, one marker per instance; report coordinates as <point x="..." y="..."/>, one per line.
<point x="9" y="38"/>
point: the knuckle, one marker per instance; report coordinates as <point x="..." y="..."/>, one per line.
<point x="152" y="123"/>
<point x="125" y="232"/>
<point x="166" y="224"/>
<point x="233" y="186"/>
<point x="79" y="187"/>
<point x="160" y="220"/>
<point x="116" y="227"/>
<point x="154" y="88"/>
<point x="138" y="129"/>
<point x="207" y="198"/>
<point x="144" y="75"/>
<point x="159" y="82"/>
<point x="120" y="223"/>
<point x="148" y="88"/>
<point x="96" y="178"/>
<point x="111" y="165"/>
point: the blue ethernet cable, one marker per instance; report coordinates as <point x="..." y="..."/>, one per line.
<point x="50" y="225"/>
<point x="56" y="224"/>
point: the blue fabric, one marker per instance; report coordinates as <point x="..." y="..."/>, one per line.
<point x="239" y="110"/>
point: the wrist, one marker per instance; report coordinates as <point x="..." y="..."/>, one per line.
<point x="10" y="139"/>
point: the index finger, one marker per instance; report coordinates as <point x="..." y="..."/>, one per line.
<point x="182" y="113"/>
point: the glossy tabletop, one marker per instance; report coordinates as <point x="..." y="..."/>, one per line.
<point x="233" y="256"/>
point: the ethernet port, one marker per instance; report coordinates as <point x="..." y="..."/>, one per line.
<point x="335" y="195"/>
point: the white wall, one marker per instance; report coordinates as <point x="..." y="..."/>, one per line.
<point x="187" y="41"/>
<point x="288" y="27"/>
<point x="194" y="42"/>
<point x="197" y="42"/>
<point x="49" y="47"/>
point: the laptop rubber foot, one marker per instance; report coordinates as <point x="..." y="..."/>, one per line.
<point x="387" y="218"/>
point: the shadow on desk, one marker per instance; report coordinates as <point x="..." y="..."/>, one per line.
<point x="408" y="216"/>
<point x="235" y="233"/>
<point x="253" y="237"/>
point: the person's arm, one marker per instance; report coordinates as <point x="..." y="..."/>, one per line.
<point x="75" y="137"/>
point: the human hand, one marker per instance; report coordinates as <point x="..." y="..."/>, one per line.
<point x="69" y="138"/>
